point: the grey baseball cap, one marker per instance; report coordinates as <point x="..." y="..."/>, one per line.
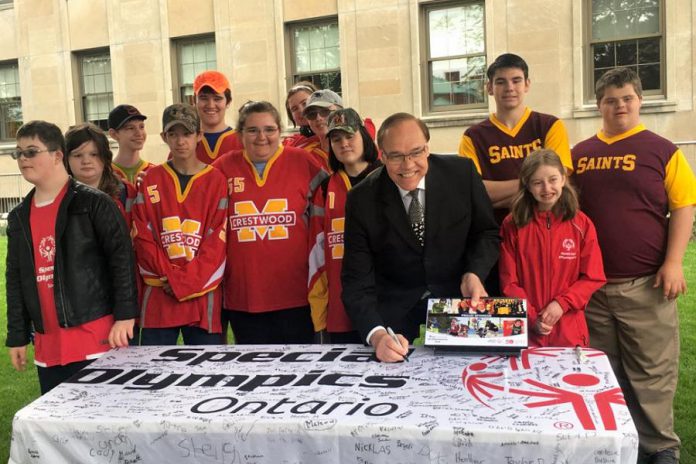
<point x="324" y="99"/>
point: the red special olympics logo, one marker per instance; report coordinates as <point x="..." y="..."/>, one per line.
<point x="485" y="384"/>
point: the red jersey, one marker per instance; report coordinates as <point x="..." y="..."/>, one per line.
<point x="59" y="346"/>
<point x="628" y="184"/>
<point x="550" y="259"/>
<point x="228" y="140"/>
<point x="312" y="145"/>
<point x="329" y="259"/>
<point x="295" y="140"/>
<point x="179" y="236"/>
<point x="269" y="229"/>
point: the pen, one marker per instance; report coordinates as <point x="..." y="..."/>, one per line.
<point x="396" y="339"/>
<point x="580" y="354"/>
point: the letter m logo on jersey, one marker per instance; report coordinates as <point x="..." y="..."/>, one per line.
<point x="272" y="222"/>
<point x="335" y="237"/>
<point x="180" y="238"/>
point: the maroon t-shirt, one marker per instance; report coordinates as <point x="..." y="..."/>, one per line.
<point x="621" y="182"/>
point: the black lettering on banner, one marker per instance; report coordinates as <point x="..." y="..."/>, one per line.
<point x="217" y="404"/>
<point x="267" y="381"/>
<point x="382" y="381"/>
<point x="215" y="356"/>
<point x="267" y="356"/>
<point x="146" y="382"/>
<point x="102" y="375"/>
<point x="179" y="354"/>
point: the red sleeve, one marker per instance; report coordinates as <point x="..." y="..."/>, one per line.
<point x="318" y="291"/>
<point x="509" y="281"/>
<point x="591" y="276"/>
<point x="152" y="261"/>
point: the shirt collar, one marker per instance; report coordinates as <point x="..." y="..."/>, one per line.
<point x="421" y="185"/>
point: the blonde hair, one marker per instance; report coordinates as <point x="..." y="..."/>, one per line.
<point x="524" y="204"/>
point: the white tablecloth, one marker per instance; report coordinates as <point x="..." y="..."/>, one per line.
<point x="330" y="404"/>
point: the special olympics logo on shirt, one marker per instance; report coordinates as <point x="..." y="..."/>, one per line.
<point x="47" y="248"/>
<point x="568" y="251"/>
<point x="568" y="244"/>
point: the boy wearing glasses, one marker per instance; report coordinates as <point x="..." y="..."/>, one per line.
<point x="179" y="239"/>
<point x="213" y="97"/>
<point x="70" y="265"/>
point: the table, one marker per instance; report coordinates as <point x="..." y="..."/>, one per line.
<point x="330" y="404"/>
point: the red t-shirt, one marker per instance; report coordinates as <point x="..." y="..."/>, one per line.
<point x="59" y="346"/>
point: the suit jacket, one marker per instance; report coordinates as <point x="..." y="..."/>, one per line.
<point x="386" y="272"/>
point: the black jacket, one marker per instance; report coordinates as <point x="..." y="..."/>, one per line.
<point x="94" y="267"/>
<point x="386" y="272"/>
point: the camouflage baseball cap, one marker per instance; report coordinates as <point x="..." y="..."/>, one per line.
<point x="178" y="113"/>
<point x="346" y="120"/>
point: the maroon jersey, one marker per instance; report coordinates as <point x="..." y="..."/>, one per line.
<point x="498" y="151"/>
<point x="628" y="184"/>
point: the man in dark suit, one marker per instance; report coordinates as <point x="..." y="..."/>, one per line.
<point x="393" y="262"/>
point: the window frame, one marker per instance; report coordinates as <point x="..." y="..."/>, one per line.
<point x="11" y="101"/>
<point x="179" y="85"/>
<point x="589" y="69"/>
<point x="426" y="60"/>
<point x="79" y="59"/>
<point x="292" y="73"/>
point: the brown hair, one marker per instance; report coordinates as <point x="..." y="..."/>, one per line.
<point x="257" y="107"/>
<point x="617" y="77"/>
<point x="397" y="118"/>
<point x="206" y="89"/>
<point x="88" y="132"/>
<point x="301" y="86"/>
<point x="524" y="204"/>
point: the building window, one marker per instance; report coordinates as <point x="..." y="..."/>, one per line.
<point x="193" y="57"/>
<point x="96" y="87"/>
<point x="628" y="33"/>
<point x="455" y="50"/>
<point x="316" y="55"/>
<point x="10" y="101"/>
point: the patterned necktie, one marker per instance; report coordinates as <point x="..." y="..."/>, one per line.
<point x="415" y="216"/>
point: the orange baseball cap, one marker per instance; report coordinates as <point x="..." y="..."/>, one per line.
<point x="213" y="79"/>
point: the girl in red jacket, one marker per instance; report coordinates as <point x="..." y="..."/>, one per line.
<point x="550" y="255"/>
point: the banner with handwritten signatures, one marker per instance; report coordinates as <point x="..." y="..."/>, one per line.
<point x="330" y="403"/>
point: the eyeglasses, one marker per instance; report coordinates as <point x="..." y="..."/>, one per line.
<point x="398" y="158"/>
<point x="255" y="131"/>
<point x="28" y="153"/>
<point x="312" y="114"/>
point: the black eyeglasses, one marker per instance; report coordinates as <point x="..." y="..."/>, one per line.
<point x="28" y="153"/>
<point x="312" y="114"/>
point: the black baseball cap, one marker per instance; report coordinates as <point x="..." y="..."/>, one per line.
<point x="122" y="114"/>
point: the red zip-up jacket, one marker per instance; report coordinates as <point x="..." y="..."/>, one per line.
<point x="550" y="259"/>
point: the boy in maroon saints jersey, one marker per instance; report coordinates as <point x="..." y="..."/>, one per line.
<point x="499" y="144"/>
<point x="639" y="191"/>
<point x="179" y="238"/>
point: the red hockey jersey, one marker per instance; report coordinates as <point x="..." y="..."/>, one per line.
<point x="269" y="229"/>
<point x="228" y="141"/>
<point x="179" y="238"/>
